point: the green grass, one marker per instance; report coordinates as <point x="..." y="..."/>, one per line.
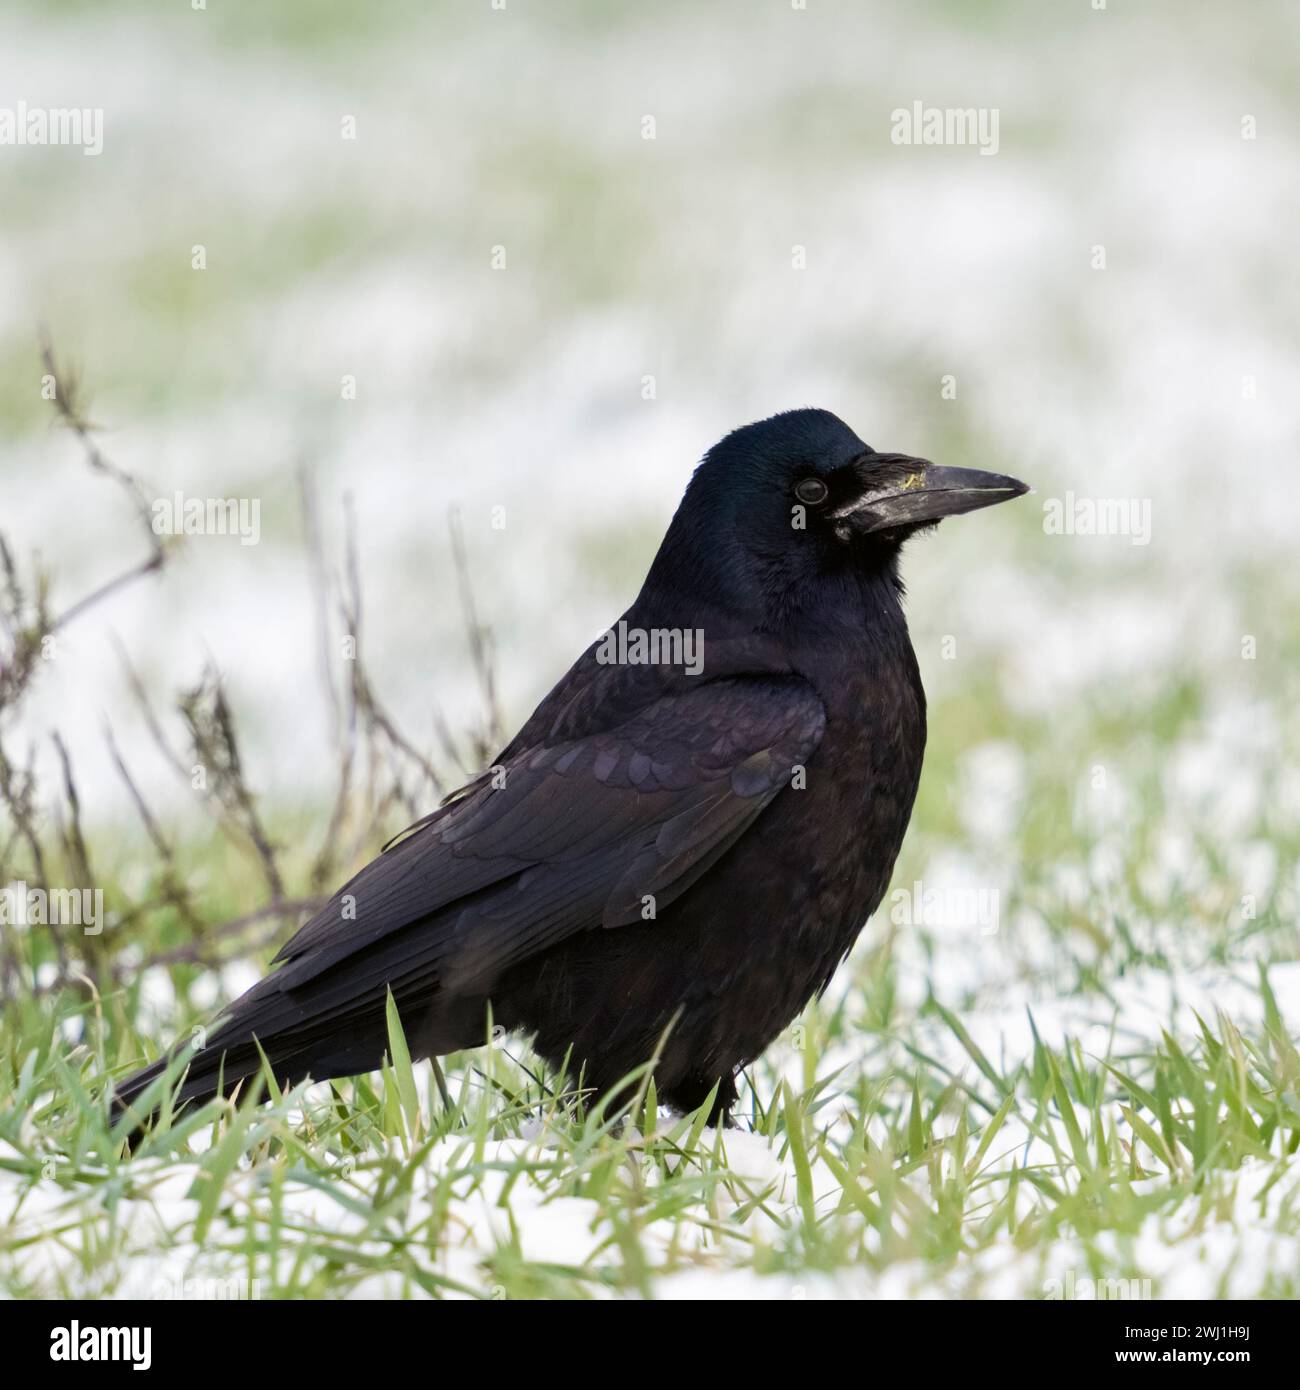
<point x="1104" y="1088"/>
<point x="380" y="1186"/>
<point x="880" y="1144"/>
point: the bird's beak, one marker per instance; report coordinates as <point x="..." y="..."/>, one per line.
<point x="904" y="491"/>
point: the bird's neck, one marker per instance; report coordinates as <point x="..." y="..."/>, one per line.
<point x="840" y="617"/>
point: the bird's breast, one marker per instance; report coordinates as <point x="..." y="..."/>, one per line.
<point x="860" y="787"/>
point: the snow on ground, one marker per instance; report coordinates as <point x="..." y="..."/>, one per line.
<point x="1096" y="849"/>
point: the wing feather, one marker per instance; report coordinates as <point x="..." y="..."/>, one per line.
<point x="569" y="837"/>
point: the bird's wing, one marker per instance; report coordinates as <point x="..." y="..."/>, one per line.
<point x="569" y="836"/>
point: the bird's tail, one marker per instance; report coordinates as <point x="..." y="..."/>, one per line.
<point x="255" y="1034"/>
<point x="128" y="1094"/>
<point x="209" y="1073"/>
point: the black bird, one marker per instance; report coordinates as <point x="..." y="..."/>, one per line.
<point x="672" y="853"/>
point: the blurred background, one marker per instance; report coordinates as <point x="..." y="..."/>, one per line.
<point x="522" y="264"/>
<point x="526" y="262"/>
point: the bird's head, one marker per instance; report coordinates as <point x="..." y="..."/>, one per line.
<point x="780" y="507"/>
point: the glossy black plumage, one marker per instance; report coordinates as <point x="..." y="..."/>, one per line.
<point x="659" y="858"/>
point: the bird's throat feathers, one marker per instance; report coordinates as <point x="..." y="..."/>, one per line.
<point x="706" y="575"/>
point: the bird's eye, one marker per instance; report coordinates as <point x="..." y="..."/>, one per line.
<point x="812" y="491"/>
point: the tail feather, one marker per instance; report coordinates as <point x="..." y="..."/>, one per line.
<point x="333" y="1023"/>
<point x="227" y="1065"/>
<point x="201" y="1081"/>
<point x="314" y="1039"/>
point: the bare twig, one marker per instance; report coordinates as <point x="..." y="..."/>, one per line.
<point x="480" y="646"/>
<point x="212" y="729"/>
<point x="68" y="404"/>
<point x="381" y="772"/>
